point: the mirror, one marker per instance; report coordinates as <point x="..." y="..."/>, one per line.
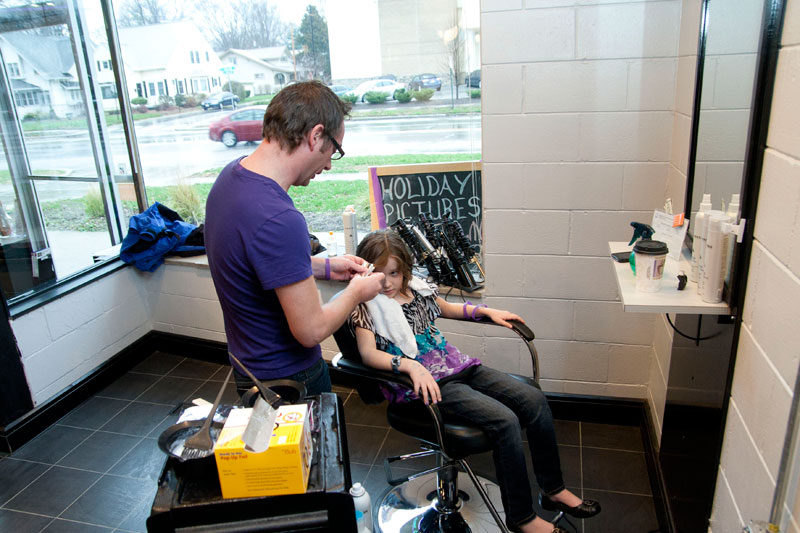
<point x="729" y="41"/>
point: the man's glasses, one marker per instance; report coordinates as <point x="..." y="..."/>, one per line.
<point x="338" y="153"/>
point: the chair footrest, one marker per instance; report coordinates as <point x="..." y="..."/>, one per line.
<point x="393" y="481"/>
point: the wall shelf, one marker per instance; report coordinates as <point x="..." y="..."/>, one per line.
<point x="667" y="300"/>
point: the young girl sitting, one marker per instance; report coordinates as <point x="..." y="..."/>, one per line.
<point x="396" y="331"/>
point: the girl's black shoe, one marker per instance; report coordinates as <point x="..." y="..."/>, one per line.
<point x="586" y="509"/>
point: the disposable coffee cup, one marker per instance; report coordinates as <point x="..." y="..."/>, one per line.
<point x="650" y="259"/>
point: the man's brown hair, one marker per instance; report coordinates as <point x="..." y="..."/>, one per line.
<point x="377" y="247"/>
<point x="296" y="109"/>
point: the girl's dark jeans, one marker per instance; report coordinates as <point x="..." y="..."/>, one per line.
<point x="502" y="406"/>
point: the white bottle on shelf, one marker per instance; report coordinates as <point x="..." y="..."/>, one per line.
<point x="363" y="505"/>
<point x="697" y="236"/>
<point x="350" y="230"/>
<point x="733" y="215"/>
<point x="331" y="245"/>
<point x="703" y="243"/>
<point x="715" y="258"/>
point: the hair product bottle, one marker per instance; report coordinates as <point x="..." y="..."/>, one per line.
<point x="733" y="215"/>
<point x="363" y="505"/>
<point x="350" y="230"/>
<point x="697" y="235"/>
<point x="331" y="245"/>
<point x="715" y="258"/>
<point x="703" y="241"/>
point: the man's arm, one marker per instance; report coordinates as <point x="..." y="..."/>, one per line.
<point x="309" y="320"/>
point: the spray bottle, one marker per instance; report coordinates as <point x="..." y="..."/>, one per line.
<point x="331" y="245"/>
<point x="363" y="506"/>
<point x="697" y="235"/>
<point x="350" y="230"/>
<point x="641" y="231"/>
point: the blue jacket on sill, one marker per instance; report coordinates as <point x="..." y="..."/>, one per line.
<point x="157" y="232"/>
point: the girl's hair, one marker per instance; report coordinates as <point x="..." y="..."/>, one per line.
<point x="377" y="247"/>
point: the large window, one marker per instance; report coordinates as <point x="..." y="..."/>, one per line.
<point x="63" y="149"/>
<point x="303" y="40"/>
<point x="74" y="169"/>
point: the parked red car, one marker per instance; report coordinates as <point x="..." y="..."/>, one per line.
<point x="243" y="125"/>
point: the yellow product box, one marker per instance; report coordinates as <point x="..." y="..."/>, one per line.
<point x="280" y="469"/>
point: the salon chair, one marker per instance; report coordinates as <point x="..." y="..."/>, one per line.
<point x="421" y="501"/>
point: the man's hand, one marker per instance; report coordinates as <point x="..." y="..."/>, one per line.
<point x="366" y="288"/>
<point x="346" y="267"/>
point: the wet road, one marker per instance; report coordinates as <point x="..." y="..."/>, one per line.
<point x="172" y="149"/>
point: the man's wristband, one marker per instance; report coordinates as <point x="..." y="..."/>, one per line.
<point x="327" y="268"/>
<point x="396" y="364"/>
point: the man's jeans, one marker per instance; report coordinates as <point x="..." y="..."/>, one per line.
<point x="315" y="378"/>
<point x="502" y="405"/>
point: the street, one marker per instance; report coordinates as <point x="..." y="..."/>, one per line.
<point x="173" y="148"/>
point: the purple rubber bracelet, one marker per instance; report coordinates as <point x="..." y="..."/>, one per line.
<point x="476" y="319"/>
<point x="464" y="308"/>
<point x="327" y="268"/>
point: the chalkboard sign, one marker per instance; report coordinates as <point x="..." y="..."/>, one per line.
<point x="430" y="188"/>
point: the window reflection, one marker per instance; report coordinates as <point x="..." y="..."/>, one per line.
<point x="49" y="100"/>
<point x="74" y="216"/>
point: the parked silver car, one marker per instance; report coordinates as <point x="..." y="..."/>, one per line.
<point x="380" y="85"/>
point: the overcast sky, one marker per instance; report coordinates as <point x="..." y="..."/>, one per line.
<point x="292" y="11"/>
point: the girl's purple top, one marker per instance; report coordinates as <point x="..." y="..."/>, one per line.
<point x="436" y="354"/>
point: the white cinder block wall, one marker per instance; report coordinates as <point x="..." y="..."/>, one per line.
<point x="579" y="139"/>
<point x="68" y="338"/>
<point x="768" y="351"/>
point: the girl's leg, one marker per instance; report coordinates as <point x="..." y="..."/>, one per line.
<point x="530" y="407"/>
<point x="461" y="402"/>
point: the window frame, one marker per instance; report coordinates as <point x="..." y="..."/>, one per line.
<point x="88" y="90"/>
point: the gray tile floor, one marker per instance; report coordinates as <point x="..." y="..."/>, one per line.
<point x="96" y="468"/>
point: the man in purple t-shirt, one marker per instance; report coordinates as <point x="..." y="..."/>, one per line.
<point x="258" y="245"/>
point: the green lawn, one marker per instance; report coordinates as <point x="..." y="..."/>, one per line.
<point x="331" y="196"/>
<point x="361" y="111"/>
<point x="79" y="123"/>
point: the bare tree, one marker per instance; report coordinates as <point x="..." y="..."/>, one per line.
<point x="141" y="13"/>
<point x="453" y="40"/>
<point x="245" y="24"/>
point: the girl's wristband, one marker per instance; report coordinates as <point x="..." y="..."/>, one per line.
<point x="464" y="309"/>
<point x="327" y="268"/>
<point x="476" y="318"/>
